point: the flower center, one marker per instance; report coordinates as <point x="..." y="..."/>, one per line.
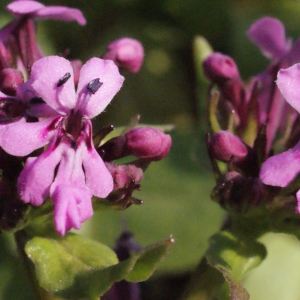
<point x="74" y="123"/>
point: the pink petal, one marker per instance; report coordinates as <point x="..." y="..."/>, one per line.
<point x="37" y="176"/>
<point x="21" y="138"/>
<point x="61" y="13"/>
<point x="46" y="73"/>
<point x="288" y="81"/>
<point x="71" y="196"/>
<point x="89" y="103"/>
<point x="97" y="177"/>
<point x="282" y="169"/>
<point x="72" y="206"/>
<point x="269" y="35"/>
<point x="24" y="7"/>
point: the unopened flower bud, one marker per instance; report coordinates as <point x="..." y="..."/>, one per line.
<point x="124" y="174"/>
<point x="225" y="146"/>
<point x="10" y="80"/>
<point x="127" y="53"/>
<point x="148" y="143"/>
<point x="219" y="68"/>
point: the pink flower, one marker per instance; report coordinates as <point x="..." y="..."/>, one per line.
<point x="282" y="169"/>
<point x="127" y="53"/>
<point x="70" y="169"/>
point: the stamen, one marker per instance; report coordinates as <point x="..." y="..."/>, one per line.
<point x="64" y="79"/>
<point x="94" y="85"/>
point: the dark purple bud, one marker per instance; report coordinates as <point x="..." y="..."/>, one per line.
<point x="237" y="193"/>
<point x="219" y="68"/>
<point x="127" y="53"/>
<point x="113" y="149"/>
<point x="94" y="85"/>
<point x="10" y="80"/>
<point x="225" y="146"/>
<point x="148" y="143"/>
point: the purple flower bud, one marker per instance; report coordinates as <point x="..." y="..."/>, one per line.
<point x="219" y="68"/>
<point x="148" y="143"/>
<point x="225" y="146"/>
<point x="10" y="80"/>
<point x="127" y="53"/>
<point x="124" y="174"/>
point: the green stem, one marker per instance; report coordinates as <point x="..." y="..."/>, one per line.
<point x="21" y="239"/>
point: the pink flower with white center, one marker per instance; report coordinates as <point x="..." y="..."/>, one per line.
<point x="70" y="170"/>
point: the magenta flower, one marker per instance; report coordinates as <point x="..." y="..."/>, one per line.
<point x="69" y="170"/>
<point x="127" y="53"/>
<point x="269" y="35"/>
<point x="282" y="169"/>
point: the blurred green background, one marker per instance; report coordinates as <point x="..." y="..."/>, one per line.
<point x="176" y="191"/>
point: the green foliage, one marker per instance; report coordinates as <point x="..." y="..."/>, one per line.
<point x="75" y="267"/>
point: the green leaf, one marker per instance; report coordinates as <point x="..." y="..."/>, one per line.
<point x="234" y="257"/>
<point x="148" y="260"/>
<point x="75" y="267"/>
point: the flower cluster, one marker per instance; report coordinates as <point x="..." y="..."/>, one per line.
<point x="45" y="122"/>
<point x="253" y="121"/>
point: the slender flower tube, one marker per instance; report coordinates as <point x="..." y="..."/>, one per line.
<point x="70" y="170"/>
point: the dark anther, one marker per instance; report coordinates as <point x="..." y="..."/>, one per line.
<point x="94" y="85"/>
<point x="36" y="100"/>
<point x="64" y="79"/>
